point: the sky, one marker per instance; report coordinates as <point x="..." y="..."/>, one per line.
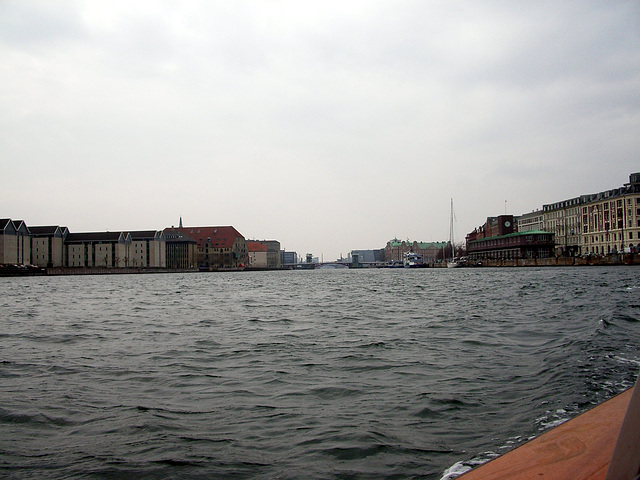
<point x="329" y="126"/>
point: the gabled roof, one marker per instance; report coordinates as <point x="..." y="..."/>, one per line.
<point x="46" y="231"/>
<point x="7" y="226"/>
<point x="21" y="226"/>
<point x="147" y="235"/>
<point x="214" y="236"/>
<point x="98" y="237"/>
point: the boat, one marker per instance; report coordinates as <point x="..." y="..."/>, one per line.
<point x="453" y="262"/>
<point x="601" y="444"/>
<point x="413" y="260"/>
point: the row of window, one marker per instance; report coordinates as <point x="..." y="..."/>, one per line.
<point x="616" y="237"/>
<point x="602" y="250"/>
<point x="511" y="240"/>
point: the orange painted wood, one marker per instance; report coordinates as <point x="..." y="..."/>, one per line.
<point x="577" y="449"/>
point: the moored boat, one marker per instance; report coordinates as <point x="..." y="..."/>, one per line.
<point x="413" y="260"/>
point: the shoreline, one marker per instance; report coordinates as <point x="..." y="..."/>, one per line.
<point x="610" y="261"/>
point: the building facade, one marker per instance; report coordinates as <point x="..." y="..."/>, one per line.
<point x="611" y="220"/>
<point x="218" y="247"/>
<point x="47" y="245"/>
<point x="181" y="250"/>
<point x="604" y="223"/>
<point x="9" y="242"/>
<point x="512" y="246"/>
<point x="288" y="258"/>
<point x="564" y="220"/>
<point x="498" y="238"/>
<point x="530" y="221"/>
<point x="271" y="249"/>
<point x="431" y="251"/>
<point x="15" y="242"/>
<point x="257" y="255"/>
<point x="367" y="256"/>
<point x="137" y="249"/>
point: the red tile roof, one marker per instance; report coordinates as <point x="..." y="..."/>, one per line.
<point x="214" y="236"/>
<point x="256" y="247"/>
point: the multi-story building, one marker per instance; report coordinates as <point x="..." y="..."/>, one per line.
<point x="288" y="258"/>
<point x="512" y="246"/>
<point x="271" y="251"/>
<point x="530" y="221"/>
<point x="218" y="247"/>
<point x="498" y="238"/>
<point x="138" y="249"/>
<point x="611" y="220"/>
<point x="431" y="251"/>
<point x="564" y="220"/>
<point x="147" y="249"/>
<point x="181" y="250"/>
<point x="47" y="245"/>
<point x="367" y="256"/>
<point x="599" y="224"/>
<point x="55" y="246"/>
<point x="257" y="254"/>
<point x="15" y="244"/>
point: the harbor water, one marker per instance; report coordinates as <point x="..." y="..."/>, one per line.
<point x="341" y="374"/>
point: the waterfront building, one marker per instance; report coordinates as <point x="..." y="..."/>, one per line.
<point x="564" y="220"/>
<point x="431" y="251"/>
<point x="9" y="242"/>
<point x="611" y="220"/>
<point x="597" y="224"/>
<point x="218" y="247"/>
<point x="257" y="254"/>
<point x="288" y="258"/>
<point x="367" y="256"/>
<point x="272" y="251"/>
<point x="530" y="221"/>
<point x="516" y="245"/>
<point x="96" y="249"/>
<point x="137" y="249"/>
<point x="15" y="242"/>
<point x="47" y="245"/>
<point x="498" y="238"/>
<point x="181" y="250"/>
<point x="147" y="249"/>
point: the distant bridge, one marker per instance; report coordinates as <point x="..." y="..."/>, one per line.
<point x="336" y="264"/>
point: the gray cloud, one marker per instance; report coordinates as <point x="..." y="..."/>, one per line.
<point x="329" y="126"/>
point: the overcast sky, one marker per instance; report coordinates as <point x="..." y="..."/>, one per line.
<point x="329" y="126"/>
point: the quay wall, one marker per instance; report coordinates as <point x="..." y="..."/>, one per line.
<point x="111" y="271"/>
<point x="565" y="261"/>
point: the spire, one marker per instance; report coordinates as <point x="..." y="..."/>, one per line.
<point x="180" y="221"/>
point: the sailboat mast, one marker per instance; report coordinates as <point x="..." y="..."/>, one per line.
<point x="451" y="239"/>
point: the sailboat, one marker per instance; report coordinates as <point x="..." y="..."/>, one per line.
<point x="452" y="263"/>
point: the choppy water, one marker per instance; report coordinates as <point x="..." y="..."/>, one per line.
<point x="304" y="374"/>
